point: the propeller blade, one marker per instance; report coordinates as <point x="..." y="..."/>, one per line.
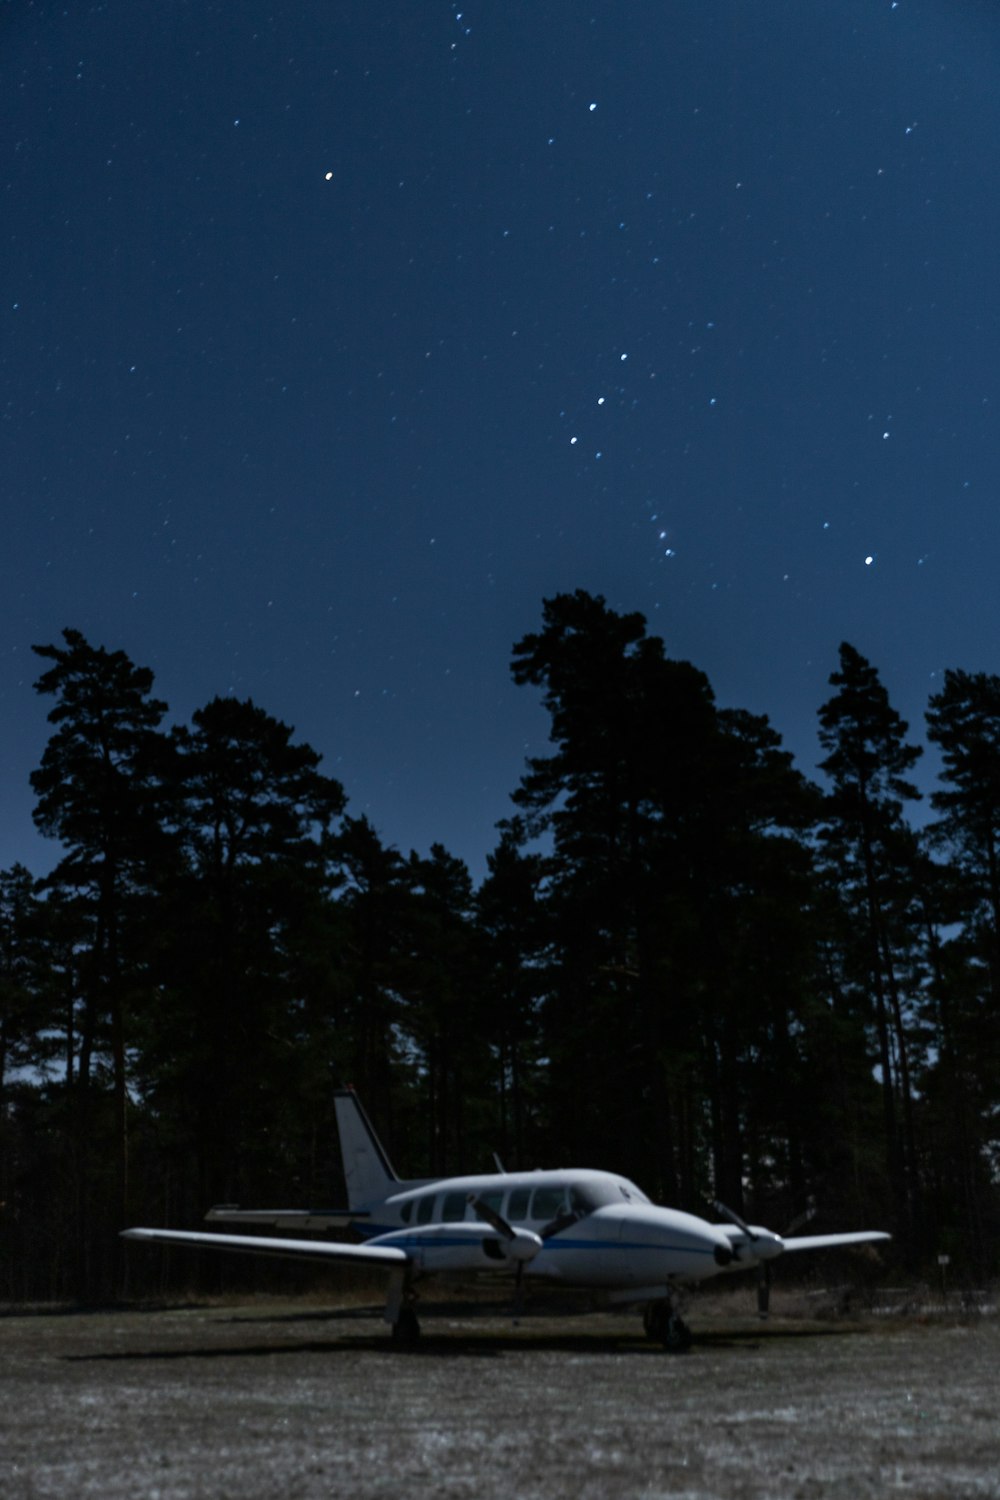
<point x="491" y="1217"/>
<point x="560" y="1222"/>
<point x="734" y="1218"/>
<point x="518" y="1306"/>
<point x="506" y="1231"/>
<point x="764" y="1289"/>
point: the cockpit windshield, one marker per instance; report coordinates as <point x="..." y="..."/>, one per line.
<point x="587" y="1196"/>
<point x="630" y="1192"/>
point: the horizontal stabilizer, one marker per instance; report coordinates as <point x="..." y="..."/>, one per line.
<point x="284" y="1218"/>
<point x="828" y="1241"/>
<point x="252" y="1244"/>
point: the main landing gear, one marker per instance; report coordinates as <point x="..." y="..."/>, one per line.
<point x="664" y="1325"/>
<point x="406" y="1329"/>
<point x="399" y="1313"/>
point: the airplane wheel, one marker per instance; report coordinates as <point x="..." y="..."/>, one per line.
<point x="406" y="1329"/>
<point x="654" y="1321"/>
<point x="666" y="1327"/>
<point x="676" y="1337"/>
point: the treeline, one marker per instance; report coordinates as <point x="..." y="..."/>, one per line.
<point x="686" y="962"/>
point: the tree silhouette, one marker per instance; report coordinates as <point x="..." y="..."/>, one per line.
<point x="684" y="961"/>
<point x="251" y="815"/>
<point x="671" y="824"/>
<point x="99" y="791"/>
<point x="868" y="761"/>
<point x="963" y="720"/>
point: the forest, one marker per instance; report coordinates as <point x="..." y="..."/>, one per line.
<point x="686" y="962"/>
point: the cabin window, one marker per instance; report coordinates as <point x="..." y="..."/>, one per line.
<point x="547" y="1203"/>
<point x="453" y="1208"/>
<point x="517" y="1205"/>
<point x="406" y="1211"/>
<point x="425" y="1209"/>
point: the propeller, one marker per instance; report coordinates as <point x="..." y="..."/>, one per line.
<point x="764" y="1269"/>
<point x="764" y="1289"/>
<point x="525" y="1245"/>
<point x="764" y="1247"/>
<point x="799" y="1222"/>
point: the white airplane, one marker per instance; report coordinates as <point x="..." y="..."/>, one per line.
<point x="569" y="1228"/>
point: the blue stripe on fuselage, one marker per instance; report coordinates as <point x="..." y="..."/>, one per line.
<point x="559" y="1242"/>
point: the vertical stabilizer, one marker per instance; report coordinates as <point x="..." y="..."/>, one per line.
<point x="367" y="1170"/>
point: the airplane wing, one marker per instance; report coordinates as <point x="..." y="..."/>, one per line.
<point x="825" y="1241"/>
<point x="251" y="1244"/>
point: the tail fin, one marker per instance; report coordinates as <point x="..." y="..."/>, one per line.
<point x="367" y="1170"/>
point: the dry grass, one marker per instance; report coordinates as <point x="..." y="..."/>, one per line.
<point x="288" y="1397"/>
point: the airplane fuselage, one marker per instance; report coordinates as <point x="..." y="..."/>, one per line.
<point x="576" y="1227"/>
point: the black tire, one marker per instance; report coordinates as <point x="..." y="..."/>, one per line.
<point x="406" y="1329"/>
<point x="676" y="1336"/>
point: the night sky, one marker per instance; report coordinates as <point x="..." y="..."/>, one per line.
<point x="335" y="335"/>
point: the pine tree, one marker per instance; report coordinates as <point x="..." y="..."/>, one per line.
<point x="868" y="762"/>
<point x="443" y="982"/>
<point x="963" y="719"/>
<point x="512" y="933"/>
<point x="375" y="906"/>
<point x="673" y="826"/>
<point x="251" y="816"/>
<point x="99" y="789"/>
<point x="24" y="1016"/>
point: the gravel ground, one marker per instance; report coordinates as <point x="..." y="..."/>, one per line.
<point x="284" y="1399"/>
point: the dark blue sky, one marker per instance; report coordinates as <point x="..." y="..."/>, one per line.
<point x="335" y="336"/>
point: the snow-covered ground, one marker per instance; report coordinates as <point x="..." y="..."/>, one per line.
<point x="285" y="1399"/>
